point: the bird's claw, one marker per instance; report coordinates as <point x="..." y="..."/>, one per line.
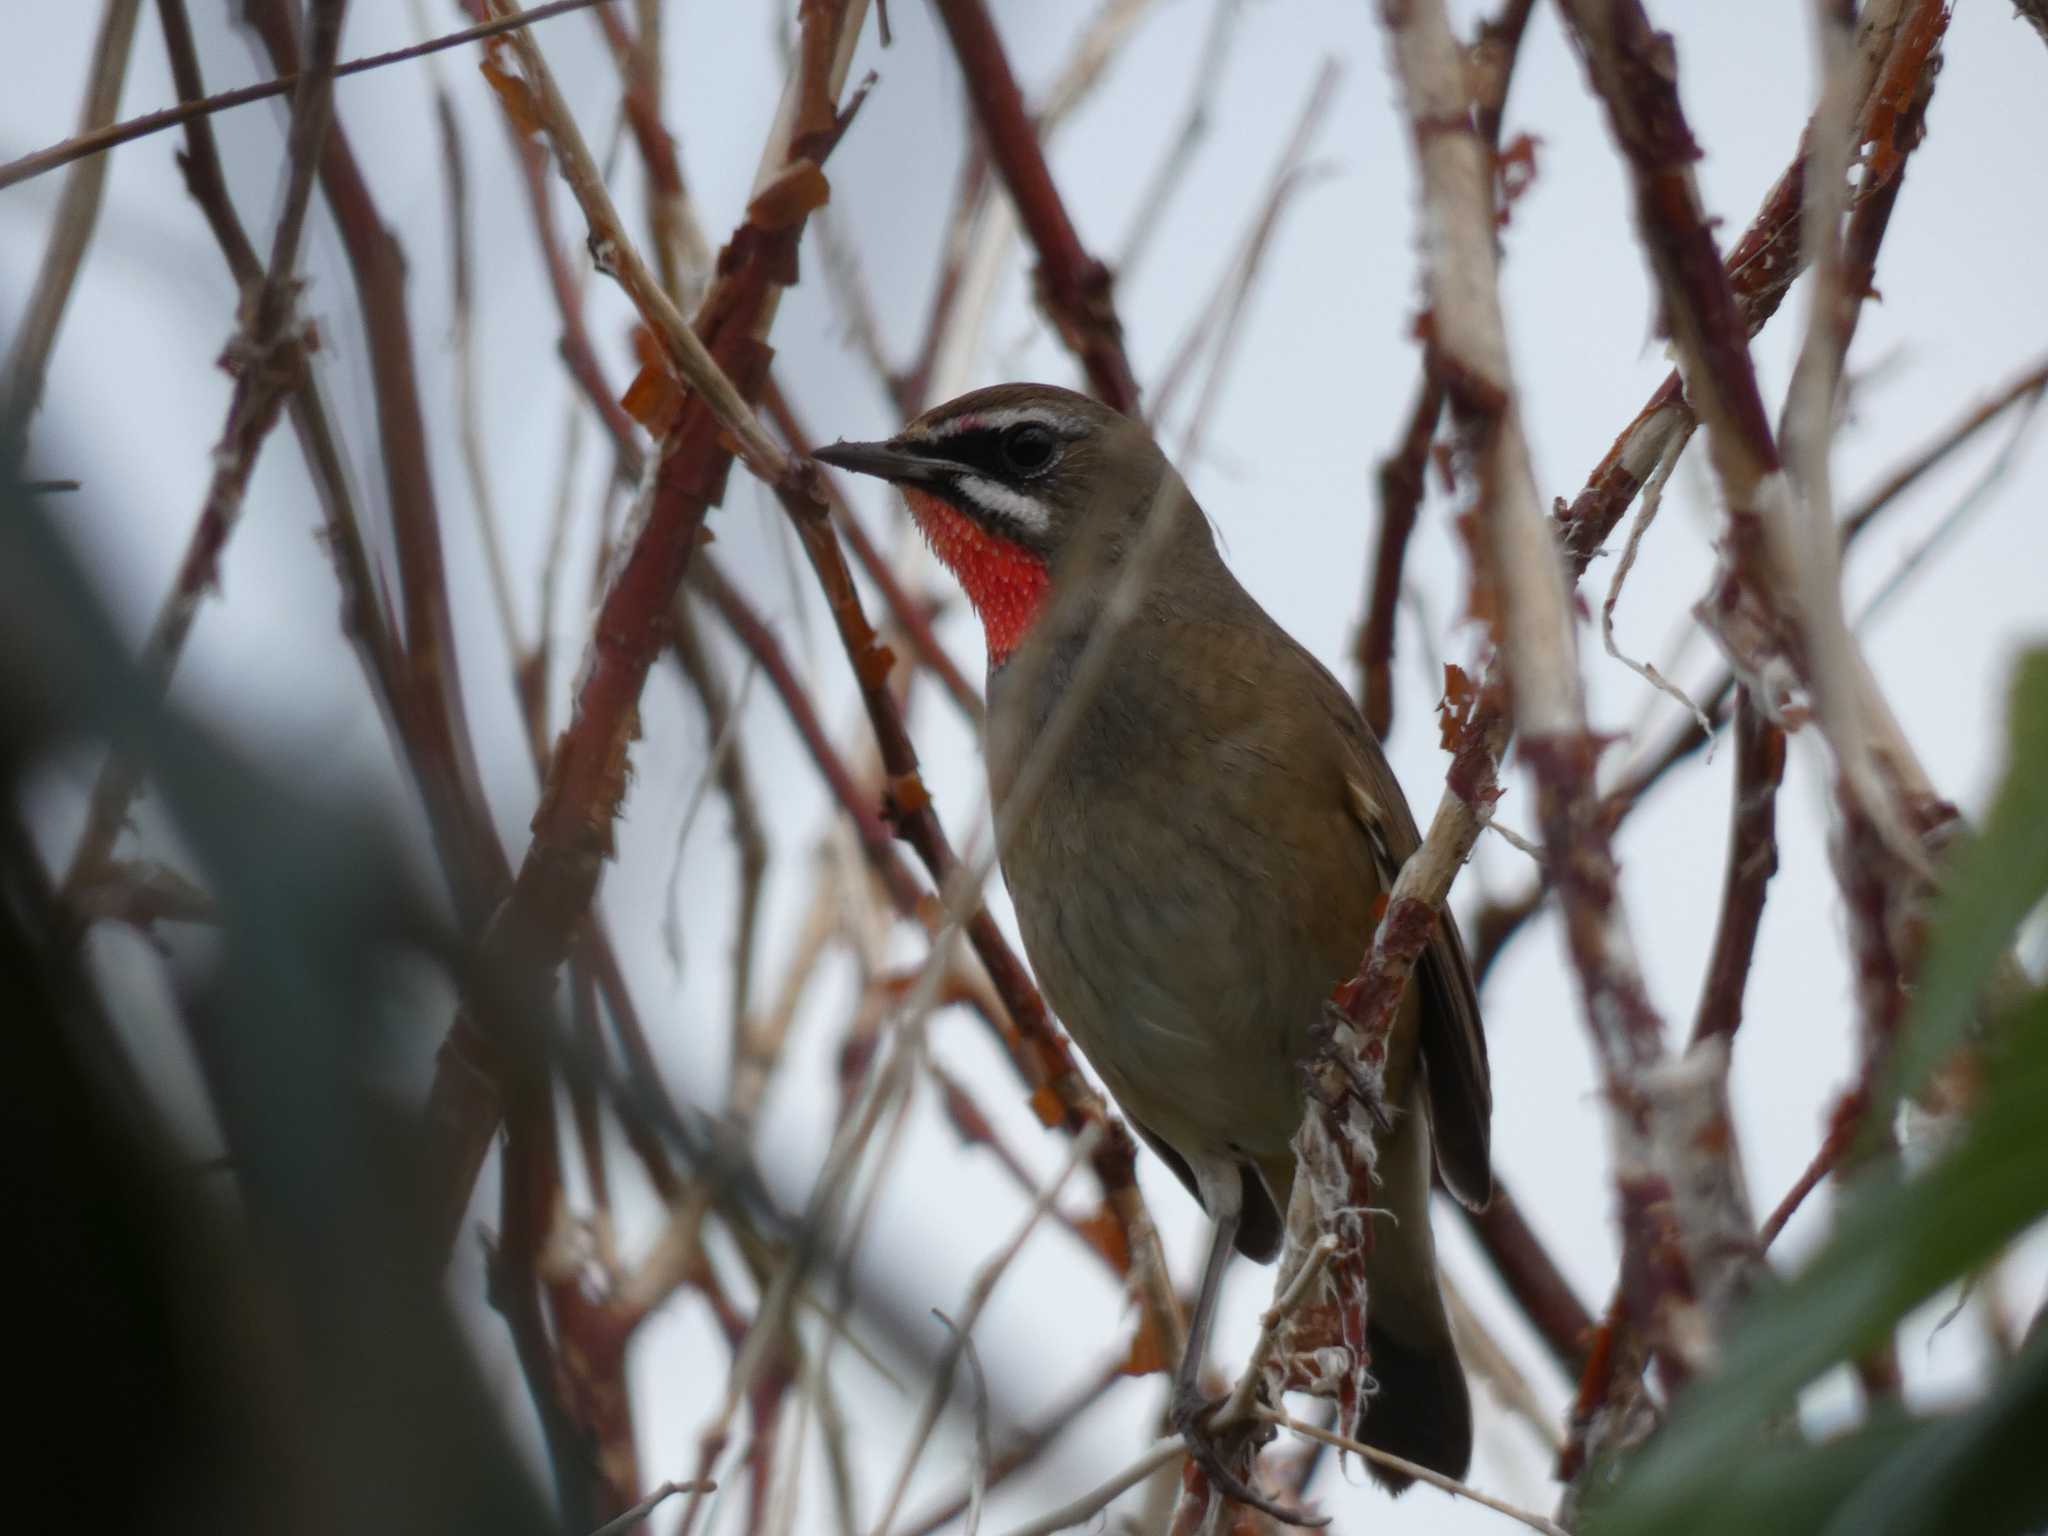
<point x="1189" y="1418"/>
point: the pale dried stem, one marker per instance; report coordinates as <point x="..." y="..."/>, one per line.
<point x="1804" y="544"/>
<point x="728" y="770"/>
<point x="1186" y="138"/>
<point x="1235" y="288"/>
<point x="78" y="213"/>
<point x="468" y="409"/>
<point x="267" y="351"/>
<point x="617" y="255"/>
<point x="1488" y="1359"/>
<point x="1290" y="1290"/>
<point x="1100" y="1497"/>
<point x="1646" y="513"/>
<point x="1027" y="1446"/>
<point x="978" y="1295"/>
<point x="1530" y="1518"/>
<point x="1536" y="634"/>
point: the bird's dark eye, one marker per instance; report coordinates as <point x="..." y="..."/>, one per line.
<point x="1028" y="447"/>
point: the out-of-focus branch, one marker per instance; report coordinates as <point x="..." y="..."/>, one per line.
<point x="681" y="253"/>
<point x="530" y="932"/>
<point x="193" y="109"/>
<point x="267" y="356"/>
<point x="1402" y="474"/>
<point x="1663" y="1239"/>
<point x="1073" y="286"/>
<point x="1226" y="307"/>
<point x="78" y="212"/>
<point x="736" y="784"/>
<point x="1186" y="138"/>
<point x="1029" y="1444"/>
<point x="430" y="707"/>
<point x="1402" y="477"/>
<point x="1532" y="1277"/>
<point x="1762" y="266"/>
<point x="1752" y="860"/>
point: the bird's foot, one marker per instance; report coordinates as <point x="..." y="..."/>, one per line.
<point x="1213" y="1451"/>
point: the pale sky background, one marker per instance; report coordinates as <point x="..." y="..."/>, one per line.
<point x="1321" y="383"/>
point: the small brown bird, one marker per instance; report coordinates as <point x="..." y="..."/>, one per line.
<point x="1201" y="864"/>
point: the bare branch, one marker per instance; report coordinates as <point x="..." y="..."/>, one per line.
<point x="1074" y="287"/>
<point x="105" y="138"/>
<point x="78" y="213"/>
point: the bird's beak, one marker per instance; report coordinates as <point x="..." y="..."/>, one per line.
<point x="886" y="461"/>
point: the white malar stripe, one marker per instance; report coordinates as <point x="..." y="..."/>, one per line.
<point x="1026" y="512"/>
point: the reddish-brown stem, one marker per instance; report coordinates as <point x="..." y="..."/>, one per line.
<point x="1752" y="860"/>
<point x="905" y="611"/>
<point x="1402" y="478"/>
<point x="431" y="708"/>
<point x="1532" y="1277"/>
<point x="760" y="642"/>
<point x="1073" y="286"/>
<point x="531" y="930"/>
<point x="1402" y="474"/>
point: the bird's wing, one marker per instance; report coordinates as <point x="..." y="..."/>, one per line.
<point x="1452" y="1042"/>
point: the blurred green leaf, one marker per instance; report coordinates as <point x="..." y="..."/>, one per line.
<point x="1991" y="884"/>
<point x="1979" y="1470"/>
<point x="1895" y="1244"/>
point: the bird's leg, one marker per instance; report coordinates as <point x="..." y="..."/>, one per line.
<point x="1190" y="1409"/>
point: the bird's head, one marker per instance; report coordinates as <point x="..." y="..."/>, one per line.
<point x="1005" y="482"/>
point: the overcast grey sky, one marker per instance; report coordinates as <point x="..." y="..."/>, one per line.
<point x="1320" y="385"/>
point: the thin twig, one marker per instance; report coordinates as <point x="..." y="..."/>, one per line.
<point x="103" y="139"/>
<point x="1182" y="143"/>
<point x="1077" y="1511"/>
<point x="1401" y="479"/>
<point x="1535" y="633"/>
<point x="1074" y="287"/>
<point x="1533" y="1521"/>
<point x="267" y="354"/>
<point x="78" y="212"/>
<point x="1233" y="295"/>
<point x="1028" y="1446"/>
<point x="978" y="1295"/>
<point x="648" y="1505"/>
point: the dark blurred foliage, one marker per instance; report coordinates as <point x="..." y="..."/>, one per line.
<point x="265" y="1346"/>
<point x="1900" y="1240"/>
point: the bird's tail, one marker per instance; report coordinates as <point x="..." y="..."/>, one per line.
<point x="1422" y="1411"/>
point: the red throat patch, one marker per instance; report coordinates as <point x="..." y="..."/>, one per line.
<point x="1006" y="582"/>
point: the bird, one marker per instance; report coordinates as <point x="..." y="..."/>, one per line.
<point x="1199" y="861"/>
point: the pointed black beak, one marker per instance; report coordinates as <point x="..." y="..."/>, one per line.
<point x="885" y="461"/>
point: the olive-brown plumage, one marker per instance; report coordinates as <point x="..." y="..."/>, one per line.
<point x="1200" y="863"/>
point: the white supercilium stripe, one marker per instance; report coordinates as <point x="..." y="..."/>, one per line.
<point x="1026" y="512"/>
<point x="995" y="421"/>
